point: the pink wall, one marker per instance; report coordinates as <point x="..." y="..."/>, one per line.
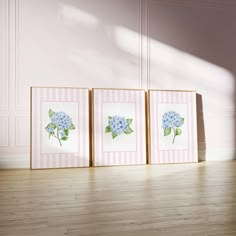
<point x="163" y="44"/>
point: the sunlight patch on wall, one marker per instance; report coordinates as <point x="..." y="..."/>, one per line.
<point x="171" y="68"/>
<point x="126" y="40"/>
<point x="72" y="15"/>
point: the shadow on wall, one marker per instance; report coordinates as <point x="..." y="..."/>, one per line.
<point x="117" y="54"/>
<point x="200" y="130"/>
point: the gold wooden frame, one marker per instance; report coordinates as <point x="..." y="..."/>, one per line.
<point x="148" y="114"/>
<point x="92" y="120"/>
<point x="89" y="123"/>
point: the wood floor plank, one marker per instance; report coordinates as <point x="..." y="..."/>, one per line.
<point x="181" y="200"/>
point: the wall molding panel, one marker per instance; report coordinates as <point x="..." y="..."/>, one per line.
<point x="22" y="131"/>
<point x="4" y="88"/>
<point x="140" y="45"/>
<point x="19" y="104"/>
<point x="4" y="127"/>
<point x="145" y="45"/>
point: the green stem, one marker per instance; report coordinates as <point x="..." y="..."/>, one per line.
<point x="173" y="141"/>
<point x="58" y="137"/>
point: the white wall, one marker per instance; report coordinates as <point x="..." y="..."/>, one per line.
<point x="165" y="44"/>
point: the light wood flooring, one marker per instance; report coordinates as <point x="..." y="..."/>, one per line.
<point x="161" y="200"/>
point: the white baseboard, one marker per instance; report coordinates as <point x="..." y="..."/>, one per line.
<point x="23" y="161"/>
<point x="15" y="161"/>
<point x="217" y="154"/>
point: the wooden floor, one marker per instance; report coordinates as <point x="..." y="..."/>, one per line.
<point x="178" y="200"/>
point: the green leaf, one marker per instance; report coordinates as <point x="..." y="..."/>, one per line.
<point x="167" y="131"/>
<point x="128" y="131"/>
<point x="114" y="135"/>
<point x="109" y="119"/>
<point x="51" y="125"/>
<point x="108" y="129"/>
<point x="50" y="112"/>
<point x="66" y="132"/>
<point x="129" y="121"/>
<point x="51" y="134"/>
<point x="182" y="121"/>
<point x="64" y="138"/>
<point x="72" y="126"/>
<point x="178" y="131"/>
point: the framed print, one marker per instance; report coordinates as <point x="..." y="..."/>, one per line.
<point x="59" y="127"/>
<point x="119" y="130"/>
<point x="172" y="127"/>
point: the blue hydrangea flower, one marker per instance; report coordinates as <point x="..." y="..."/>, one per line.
<point x="171" y="119"/>
<point x="61" y="119"/>
<point x="49" y="129"/>
<point x="59" y="126"/>
<point x="62" y="133"/>
<point x="118" y="124"/>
